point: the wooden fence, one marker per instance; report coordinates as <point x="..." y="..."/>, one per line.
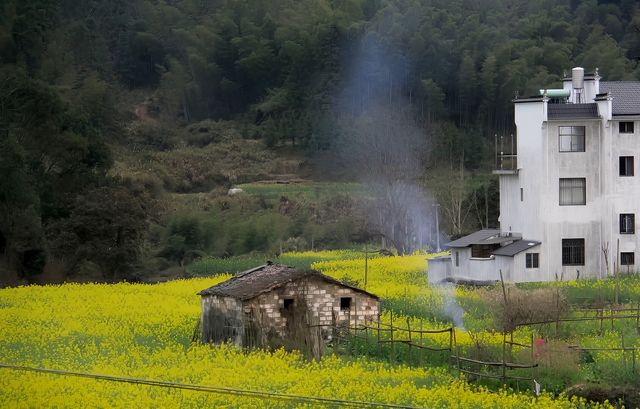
<point x="374" y="335"/>
<point x="415" y="342"/>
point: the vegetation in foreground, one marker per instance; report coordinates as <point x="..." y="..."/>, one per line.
<point x="142" y="330"/>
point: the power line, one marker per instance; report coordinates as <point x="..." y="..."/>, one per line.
<point x="211" y="389"/>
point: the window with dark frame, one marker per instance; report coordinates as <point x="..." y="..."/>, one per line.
<point x="532" y="260"/>
<point x="573" y="191"/>
<point x="626" y="127"/>
<point x="345" y="303"/>
<point x="627" y="223"/>
<point x="573" y="252"/>
<point x="522" y="194"/>
<point x="457" y="258"/>
<point x="571" y="138"/>
<point x="626" y="166"/>
<point x="483" y="250"/>
<point x="627" y="259"/>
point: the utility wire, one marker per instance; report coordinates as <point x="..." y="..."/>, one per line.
<point x="212" y="389"/>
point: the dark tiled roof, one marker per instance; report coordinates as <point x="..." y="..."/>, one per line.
<point x="262" y="279"/>
<point x="474" y="238"/>
<point x="516" y="247"/>
<point x="626" y="96"/>
<point x="572" y="111"/>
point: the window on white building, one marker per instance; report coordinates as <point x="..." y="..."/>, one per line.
<point x="626" y="166"/>
<point x="573" y="252"/>
<point x="571" y="138"/>
<point x="573" y="191"/>
<point x="627" y="259"/>
<point x="483" y="250"/>
<point x="532" y="260"/>
<point x="626" y="127"/>
<point x="627" y="223"/>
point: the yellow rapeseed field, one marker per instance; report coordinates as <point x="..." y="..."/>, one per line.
<point x="144" y="331"/>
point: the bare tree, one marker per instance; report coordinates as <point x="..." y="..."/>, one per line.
<point x="387" y="151"/>
<point x="450" y="186"/>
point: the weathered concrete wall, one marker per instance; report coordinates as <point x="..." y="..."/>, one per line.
<point x="439" y="269"/>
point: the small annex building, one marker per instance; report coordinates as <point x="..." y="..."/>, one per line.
<point x="277" y="305"/>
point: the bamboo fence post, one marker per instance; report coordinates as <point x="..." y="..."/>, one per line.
<point x="511" y="346"/>
<point x="638" y="318"/>
<point x="379" y="343"/>
<point x="409" y="329"/>
<point x="504" y="362"/>
<point x="504" y="295"/>
<point x="601" y="320"/>
<point x="366" y="337"/>
<point x="533" y="370"/>
<point x="421" y="344"/>
<point x="624" y="351"/>
<point x="557" y="310"/>
<point x="612" y="315"/>
<point x="393" y="345"/>
<point x="455" y="342"/>
<point x="450" y="347"/>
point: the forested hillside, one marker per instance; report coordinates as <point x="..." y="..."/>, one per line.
<point x="123" y="123"/>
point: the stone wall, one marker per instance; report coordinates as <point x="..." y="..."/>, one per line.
<point x="323" y="304"/>
<point x="222" y="320"/>
<point x="285" y="313"/>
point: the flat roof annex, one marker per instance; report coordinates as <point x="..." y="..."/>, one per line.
<point x="516" y="247"/>
<point x="474" y="238"/>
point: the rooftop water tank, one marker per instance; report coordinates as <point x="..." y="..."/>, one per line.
<point x="577" y="78"/>
<point x="556" y="93"/>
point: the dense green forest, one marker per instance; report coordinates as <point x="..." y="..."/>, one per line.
<point x="123" y="123"/>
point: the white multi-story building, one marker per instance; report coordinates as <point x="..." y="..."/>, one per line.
<point x="569" y="192"/>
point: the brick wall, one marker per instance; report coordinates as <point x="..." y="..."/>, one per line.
<point x="322" y="300"/>
<point x="222" y="320"/>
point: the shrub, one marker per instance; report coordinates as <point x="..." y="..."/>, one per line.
<point x="539" y="305"/>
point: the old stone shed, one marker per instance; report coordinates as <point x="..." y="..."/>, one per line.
<point x="275" y="305"/>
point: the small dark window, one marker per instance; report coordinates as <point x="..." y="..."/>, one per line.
<point x="345" y="303"/>
<point x="573" y="252"/>
<point x="626" y="127"/>
<point x="627" y="223"/>
<point x="626" y="165"/>
<point x="288" y="303"/>
<point x="457" y="258"/>
<point x="532" y="260"/>
<point x="627" y="259"/>
<point x="521" y="194"/>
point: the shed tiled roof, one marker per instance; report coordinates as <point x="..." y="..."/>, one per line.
<point x="626" y="96"/>
<point x="572" y="111"/>
<point x="516" y="247"/>
<point x="262" y="279"/>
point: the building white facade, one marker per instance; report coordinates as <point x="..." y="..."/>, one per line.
<point x="570" y="193"/>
